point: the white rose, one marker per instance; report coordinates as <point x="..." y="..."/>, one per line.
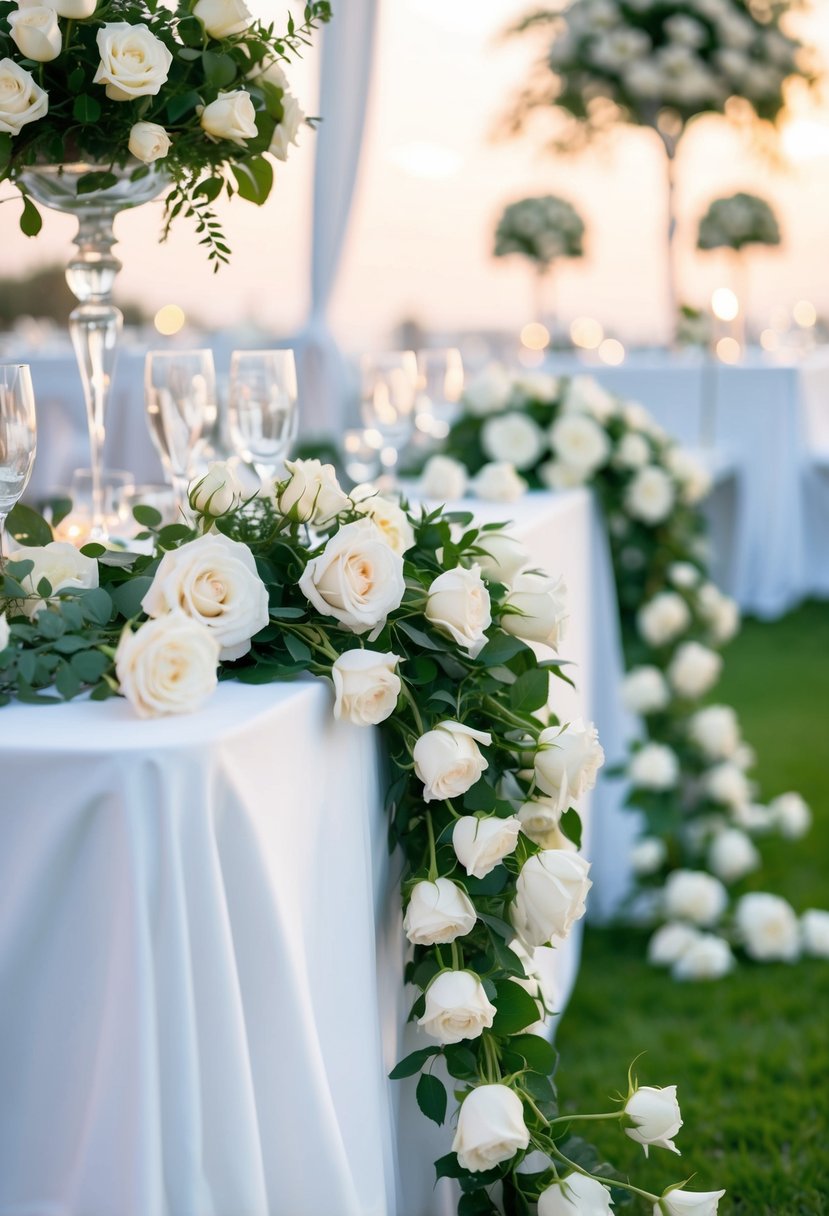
<point x="149" y="142"/>
<point x="489" y="392"/>
<point x="533" y="983"/>
<point x="745" y="757"/>
<point x="134" y="63"/>
<point x="656" y="1115"/>
<point x="35" y="31"/>
<point x="458" y="604"/>
<point x="575" y="1195"/>
<point x="632" y="451"/>
<point x="645" y="690"/>
<point x="443" y="478"/>
<point x="753" y="817"/>
<point x="502" y="557"/>
<point x="538" y="818"/>
<point x="447" y="760"/>
<point x="213" y="580"/>
<point x="694" y="896"/>
<point x="567" y="761"/>
<point x="438" y="912"/>
<point x="167" y="666"/>
<point x="694" y="480"/>
<point x="688" y="1203"/>
<point x="390" y="518"/>
<point x="683" y="575"/>
<point x="663" y="618"/>
<point x="217" y="493"/>
<point x="491" y="1128"/>
<point x="457" y="1007"/>
<point x="21" y="99"/>
<point x="311" y="493"/>
<point x="721" y="614"/>
<point x="514" y="438"/>
<point x="481" y="842"/>
<point x="727" y="784"/>
<point x="559" y="476"/>
<point x="814" y="929"/>
<point x="768" y="928"/>
<point x="63" y="567"/>
<point x="231" y="116"/>
<point x="5" y="632"/>
<point x="650" y="495"/>
<point x="732" y="855"/>
<point x="715" y="731"/>
<point x="366" y="686"/>
<point x="538" y="386"/>
<point x="670" y="942"/>
<point x="222" y="18"/>
<point x="707" y="958"/>
<point x="580" y="442"/>
<point x="75" y="10"/>
<point x="648" y="855"/>
<point x="357" y="578"/>
<point x="585" y="395"/>
<point x="694" y="669"/>
<point x="286" y="131"/>
<point x="499" y="482"/>
<point x="539" y="607"/>
<point x="654" y="767"/>
<point x="790" y="815"/>
<point x="550" y="896"/>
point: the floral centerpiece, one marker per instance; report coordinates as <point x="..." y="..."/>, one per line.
<point x="660" y="64"/>
<point x="196" y="87"/>
<point x="737" y="221"/>
<point x="689" y="772"/>
<point x="419" y="623"/>
<point x="542" y="230"/>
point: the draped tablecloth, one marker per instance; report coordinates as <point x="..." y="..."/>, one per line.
<point x="201" y="947"/>
<point x="772" y="420"/>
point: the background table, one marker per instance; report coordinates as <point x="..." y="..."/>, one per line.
<point x="771" y="419"/>
<point x="201" y="947"/>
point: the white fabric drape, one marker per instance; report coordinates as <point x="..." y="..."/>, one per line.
<point x="345" y="76"/>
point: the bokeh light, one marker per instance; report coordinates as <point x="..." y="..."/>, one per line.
<point x="612" y="352"/>
<point x="586" y="333"/>
<point x="535" y="336"/>
<point x="728" y="350"/>
<point x="724" y="304"/>
<point x="169" y="320"/>
<point x="805" y="314"/>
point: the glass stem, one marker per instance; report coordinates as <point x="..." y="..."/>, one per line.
<point x="3" y="517"/>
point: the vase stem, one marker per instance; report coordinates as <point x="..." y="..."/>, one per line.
<point x="94" y="327"/>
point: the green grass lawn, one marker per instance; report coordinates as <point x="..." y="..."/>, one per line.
<point x="750" y="1053"/>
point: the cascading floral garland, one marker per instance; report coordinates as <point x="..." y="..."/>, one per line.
<point x="420" y="623"/>
<point x="688" y="774"/>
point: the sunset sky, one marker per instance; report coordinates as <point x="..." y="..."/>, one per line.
<point x="432" y="184"/>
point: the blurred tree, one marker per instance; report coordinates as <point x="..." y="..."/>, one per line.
<point x="43" y="294"/>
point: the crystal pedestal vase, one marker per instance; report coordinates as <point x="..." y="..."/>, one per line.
<point x="95" y="324"/>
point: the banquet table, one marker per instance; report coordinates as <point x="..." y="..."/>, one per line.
<point x="201" y="947"/>
<point x="770" y="417"/>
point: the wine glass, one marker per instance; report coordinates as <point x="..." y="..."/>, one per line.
<point x="180" y="392"/>
<point x="388" y="384"/>
<point x="262" y="408"/>
<point x="440" y="389"/>
<point x="18" y="437"/>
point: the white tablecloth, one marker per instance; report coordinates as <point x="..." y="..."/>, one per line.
<point x="772" y="419"/>
<point x="201" y="946"/>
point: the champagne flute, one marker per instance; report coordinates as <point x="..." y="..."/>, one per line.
<point x="262" y="408"/>
<point x="388" y="395"/>
<point x="18" y="437"/>
<point x="440" y="389"/>
<point x="180" y="392"/>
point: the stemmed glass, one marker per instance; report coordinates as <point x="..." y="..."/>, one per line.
<point x="388" y="393"/>
<point x="440" y="389"/>
<point x="262" y="408"/>
<point x="180" y="392"/>
<point x="18" y="437"/>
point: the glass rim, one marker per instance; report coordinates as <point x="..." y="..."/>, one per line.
<point x="273" y="350"/>
<point x="177" y="354"/>
<point x="17" y="366"/>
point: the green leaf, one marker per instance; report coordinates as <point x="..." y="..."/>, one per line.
<point x="530" y="691"/>
<point x="177" y="107"/>
<point x="148" y="517"/>
<point x="431" y="1098"/>
<point x="413" y="1063"/>
<point x="50" y="625"/>
<point x="481" y="797"/>
<point x="27" y="526"/>
<point x="191" y="31"/>
<point x="86" y="109"/>
<point x="476" y="1203"/>
<point x="219" y="69"/>
<point x="420" y="639"/>
<point x="70" y="643"/>
<point x="287" y="614"/>
<point x="501" y="649"/>
<point x="5" y="149"/>
<point x="540" y="1055"/>
<point x="254" y="177"/>
<point x="127" y="596"/>
<point x="571" y="826"/>
<point x="97" y="605"/>
<point x="93" y="549"/>
<point x="67" y="682"/>
<point x="461" y="1061"/>
<point x="516" y="1008"/>
<point x="297" y="649"/>
<point x="209" y="188"/>
<point x="31" y="220"/>
<point x="98" y="180"/>
<point x="89" y="665"/>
